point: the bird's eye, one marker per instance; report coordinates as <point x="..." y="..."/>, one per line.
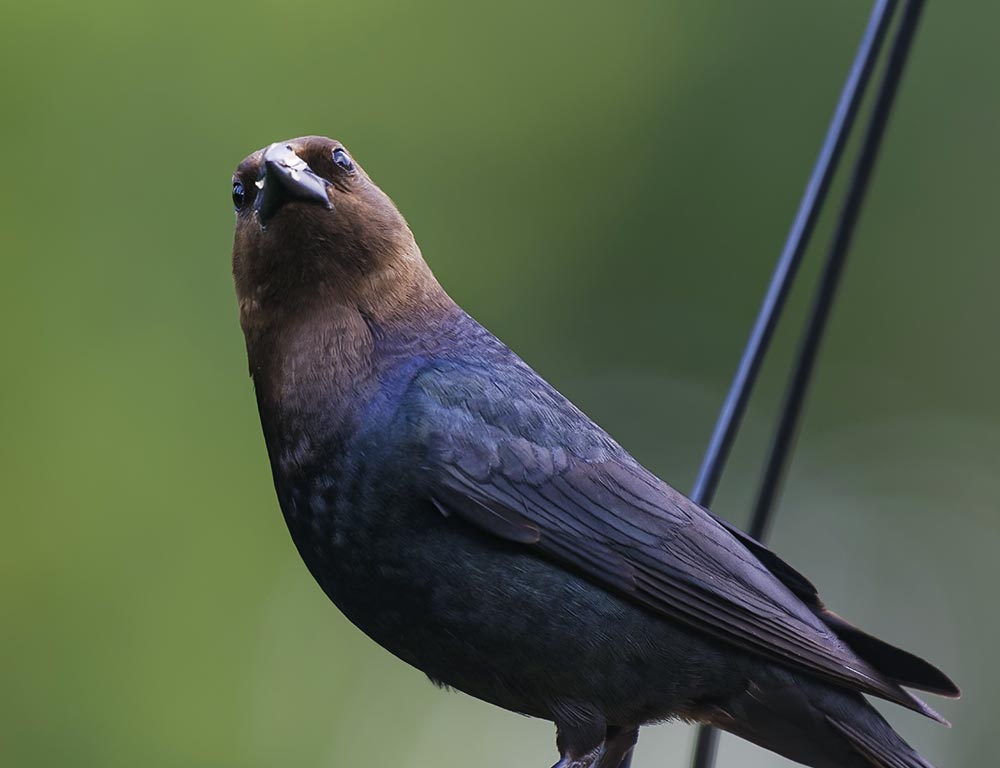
<point x="238" y="194"/>
<point x="341" y="158"/>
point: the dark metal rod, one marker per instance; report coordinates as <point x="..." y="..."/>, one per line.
<point x="707" y="740"/>
<point x="784" y="274"/>
<point x="791" y="255"/>
<point x="784" y="436"/>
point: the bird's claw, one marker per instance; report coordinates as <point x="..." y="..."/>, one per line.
<point x="588" y="760"/>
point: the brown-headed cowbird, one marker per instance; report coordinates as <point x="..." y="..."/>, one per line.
<point x="472" y="521"/>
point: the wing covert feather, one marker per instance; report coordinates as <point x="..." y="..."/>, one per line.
<point x="519" y="461"/>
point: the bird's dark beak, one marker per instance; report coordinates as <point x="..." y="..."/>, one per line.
<point x="286" y="177"/>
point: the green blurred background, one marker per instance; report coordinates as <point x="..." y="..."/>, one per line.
<point x="606" y="187"/>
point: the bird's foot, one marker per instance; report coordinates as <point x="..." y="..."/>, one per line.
<point x="588" y="760"/>
<point x="617" y="746"/>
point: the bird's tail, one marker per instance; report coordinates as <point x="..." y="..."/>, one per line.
<point x="815" y="724"/>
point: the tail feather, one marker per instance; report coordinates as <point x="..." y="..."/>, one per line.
<point x="877" y="751"/>
<point x="815" y="724"/>
<point x="897" y="665"/>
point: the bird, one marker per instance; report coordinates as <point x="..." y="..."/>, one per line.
<point x="476" y="524"/>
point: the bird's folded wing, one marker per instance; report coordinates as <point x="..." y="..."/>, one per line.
<point x="517" y="460"/>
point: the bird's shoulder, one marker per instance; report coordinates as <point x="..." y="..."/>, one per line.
<point x="485" y="391"/>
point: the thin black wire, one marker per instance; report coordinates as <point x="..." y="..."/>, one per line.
<point x="784" y="437"/>
<point x="812" y="338"/>
<point x="784" y="274"/>
<point x="791" y="255"/>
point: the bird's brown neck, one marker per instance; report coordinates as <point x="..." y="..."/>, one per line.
<point x="328" y="347"/>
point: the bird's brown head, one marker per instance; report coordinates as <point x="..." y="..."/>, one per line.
<point x="311" y="226"/>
